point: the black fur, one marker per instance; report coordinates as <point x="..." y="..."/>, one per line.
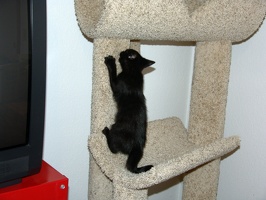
<point x="128" y="134"/>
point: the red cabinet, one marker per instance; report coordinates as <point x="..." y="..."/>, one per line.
<point x="49" y="184"/>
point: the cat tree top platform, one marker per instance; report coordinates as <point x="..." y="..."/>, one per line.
<point x="175" y="20"/>
<point x="168" y="150"/>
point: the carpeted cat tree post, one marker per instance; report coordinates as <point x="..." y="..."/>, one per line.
<point x="173" y="150"/>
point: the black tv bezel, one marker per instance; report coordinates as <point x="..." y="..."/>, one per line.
<point x="25" y="160"/>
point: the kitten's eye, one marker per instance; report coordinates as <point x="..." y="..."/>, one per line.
<point x="132" y="56"/>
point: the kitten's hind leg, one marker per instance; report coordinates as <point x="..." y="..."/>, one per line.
<point x="110" y="142"/>
<point x="133" y="159"/>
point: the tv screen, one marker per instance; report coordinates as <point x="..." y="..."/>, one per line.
<point x="22" y="87"/>
<point x="14" y="72"/>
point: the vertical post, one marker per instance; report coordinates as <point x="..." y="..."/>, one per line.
<point x="207" y="113"/>
<point x="102" y="109"/>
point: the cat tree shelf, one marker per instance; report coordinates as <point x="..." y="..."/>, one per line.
<point x="167" y="148"/>
<point x="178" y="20"/>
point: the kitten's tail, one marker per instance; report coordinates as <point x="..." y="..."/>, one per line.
<point x="133" y="159"/>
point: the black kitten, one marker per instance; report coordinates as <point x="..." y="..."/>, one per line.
<point x="128" y="133"/>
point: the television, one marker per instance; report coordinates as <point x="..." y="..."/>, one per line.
<point x="22" y="88"/>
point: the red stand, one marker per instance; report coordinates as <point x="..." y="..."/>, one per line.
<point x="49" y="184"/>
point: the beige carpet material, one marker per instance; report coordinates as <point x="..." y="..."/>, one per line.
<point x="207" y="113"/>
<point x="176" y="20"/>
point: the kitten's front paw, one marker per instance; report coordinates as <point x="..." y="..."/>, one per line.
<point x="109" y="61"/>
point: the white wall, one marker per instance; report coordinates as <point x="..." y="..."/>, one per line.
<point x="68" y="97"/>
<point x="167" y="89"/>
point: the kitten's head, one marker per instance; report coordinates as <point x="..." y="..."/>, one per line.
<point x="131" y="59"/>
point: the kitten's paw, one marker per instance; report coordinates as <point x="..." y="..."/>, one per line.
<point x="109" y="61"/>
<point x="105" y="131"/>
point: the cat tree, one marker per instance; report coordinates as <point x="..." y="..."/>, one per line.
<point x="173" y="150"/>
